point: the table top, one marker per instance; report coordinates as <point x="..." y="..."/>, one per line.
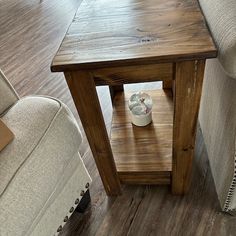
<point x="132" y="32"/>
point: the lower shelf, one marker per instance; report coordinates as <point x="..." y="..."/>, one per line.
<point x="158" y="177"/>
<point x="143" y="155"/>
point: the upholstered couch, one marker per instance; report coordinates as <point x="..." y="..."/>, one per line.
<point x="218" y="105"/>
<point x="42" y="176"/>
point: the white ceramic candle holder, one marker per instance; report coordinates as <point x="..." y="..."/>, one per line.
<point x="140" y="106"/>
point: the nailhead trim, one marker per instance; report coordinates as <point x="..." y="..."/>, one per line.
<point x="231" y="190"/>
<point x="77" y="201"/>
<point x="66" y="219"/>
<point x="71" y="209"/>
<point x="82" y="193"/>
<point x="232" y="212"/>
<point x="59" y="229"/>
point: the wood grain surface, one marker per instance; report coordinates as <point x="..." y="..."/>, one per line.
<point x="114" y="90"/>
<point x="145" y="178"/>
<point x="111" y="33"/>
<point x="133" y="74"/>
<point x="138" y="150"/>
<point x="141" y="210"/>
<point x="85" y="97"/>
<point x="126" y="33"/>
<point x="168" y="84"/>
<point x="188" y="88"/>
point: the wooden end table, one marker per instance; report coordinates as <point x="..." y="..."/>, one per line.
<point x="113" y="43"/>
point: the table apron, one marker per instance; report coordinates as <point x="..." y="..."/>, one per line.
<point x="133" y="74"/>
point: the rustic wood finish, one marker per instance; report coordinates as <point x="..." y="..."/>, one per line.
<point x="145" y="178"/>
<point x="120" y="42"/>
<point x="168" y="84"/>
<point x="140" y="210"/>
<point x="153" y="210"/>
<point x="133" y="74"/>
<point x="141" y="150"/>
<point x="188" y="87"/>
<point x="114" y="89"/>
<point x="84" y="93"/>
<point x="119" y="33"/>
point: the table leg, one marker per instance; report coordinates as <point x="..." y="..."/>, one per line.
<point x="114" y="89"/>
<point x="167" y="84"/>
<point x="83" y="90"/>
<point x="188" y="87"/>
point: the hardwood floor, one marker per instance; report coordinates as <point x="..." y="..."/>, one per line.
<point x="30" y="33"/>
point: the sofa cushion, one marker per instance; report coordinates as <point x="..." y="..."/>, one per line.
<point x="217" y="118"/>
<point x="46" y="139"/>
<point x="30" y="119"/>
<point x="73" y="181"/>
<point x="221" y="18"/>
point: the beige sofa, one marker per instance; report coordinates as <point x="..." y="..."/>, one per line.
<point x="42" y="176"/>
<point x="218" y="105"/>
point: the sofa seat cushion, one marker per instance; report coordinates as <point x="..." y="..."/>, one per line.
<point x="221" y="18"/>
<point x="74" y="180"/>
<point x="31" y="119"/>
<point x="46" y="138"/>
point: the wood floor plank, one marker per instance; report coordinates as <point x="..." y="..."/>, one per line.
<point x="172" y="215"/>
<point x="31" y="31"/>
<point x="117" y="221"/>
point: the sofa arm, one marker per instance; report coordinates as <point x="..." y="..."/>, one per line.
<point x="221" y="18"/>
<point x="8" y="95"/>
